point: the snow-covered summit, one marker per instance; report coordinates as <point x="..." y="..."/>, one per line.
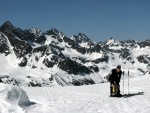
<point x="112" y="41"/>
<point x="36" y="31"/>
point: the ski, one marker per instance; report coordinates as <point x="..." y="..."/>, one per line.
<point x="133" y="94"/>
<point x="129" y="95"/>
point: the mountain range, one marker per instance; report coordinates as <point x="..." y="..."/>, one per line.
<point x="35" y="58"/>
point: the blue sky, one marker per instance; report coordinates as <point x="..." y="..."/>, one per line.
<point x="98" y="19"/>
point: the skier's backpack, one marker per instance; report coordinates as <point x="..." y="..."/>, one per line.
<point x="108" y="77"/>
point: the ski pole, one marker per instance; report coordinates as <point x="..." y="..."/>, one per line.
<point x="123" y="82"/>
<point x="128" y="82"/>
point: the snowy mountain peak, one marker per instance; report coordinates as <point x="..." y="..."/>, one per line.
<point x="84" y="37"/>
<point x="74" y="37"/>
<point x="82" y="40"/>
<point x="36" y="31"/>
<point x="54" y="30"/>
<point x="112" y="41"/>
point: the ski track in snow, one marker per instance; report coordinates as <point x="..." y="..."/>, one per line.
<point x="90" y="99"/>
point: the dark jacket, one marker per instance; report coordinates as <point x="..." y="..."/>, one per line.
<point x="115" y="76"/>
<point x="0" y="80"/>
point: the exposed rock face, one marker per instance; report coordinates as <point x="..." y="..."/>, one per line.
<point x="72" y="67"/>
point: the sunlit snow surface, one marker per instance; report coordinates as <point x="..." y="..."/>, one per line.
<point x="77" y="99"/>
<point x="13" y="99"/>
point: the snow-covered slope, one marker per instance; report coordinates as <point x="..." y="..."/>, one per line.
<point x="93" y="99"/>
<point x="79" y="99"/>
<point x="35" y="58"/>
<point x="13" y="99"/>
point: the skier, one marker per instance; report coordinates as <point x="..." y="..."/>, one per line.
<point x="115" y="77"/>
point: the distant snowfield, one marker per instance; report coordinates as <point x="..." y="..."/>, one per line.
<point x="77" y="99"/>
